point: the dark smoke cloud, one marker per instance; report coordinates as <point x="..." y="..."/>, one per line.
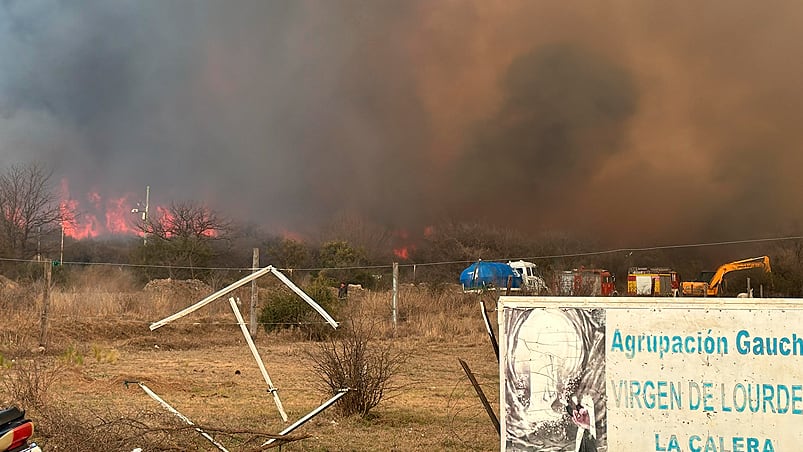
<point x="563" y="115"/>
<point x="638" y="121"/>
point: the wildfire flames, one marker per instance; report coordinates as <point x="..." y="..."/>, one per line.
<point x="93" y="215"/>
<point x="402" y="253"/>
<point x="406" y="248"/>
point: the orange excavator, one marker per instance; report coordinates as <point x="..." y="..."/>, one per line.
<point x="711" y="288"/>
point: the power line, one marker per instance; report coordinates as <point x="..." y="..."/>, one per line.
<point x="617" y="250"/>
<point x="431" y="264"/>
<point x="665" y="247"/>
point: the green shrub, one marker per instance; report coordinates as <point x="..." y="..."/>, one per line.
<point x="285" y="309"/>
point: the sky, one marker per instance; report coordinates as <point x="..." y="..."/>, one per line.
<point x="635" y="122"/>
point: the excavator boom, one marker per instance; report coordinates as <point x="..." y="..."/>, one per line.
<point x="712" y="287"/>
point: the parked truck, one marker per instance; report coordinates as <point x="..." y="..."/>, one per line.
<point x="532" y="281"/>
<point x="586" y="282"/>
<point x="711" y="287"/>
<point x="483" y="275"/>
<point x="521" y="275"/>
<point x="653" y="282"/>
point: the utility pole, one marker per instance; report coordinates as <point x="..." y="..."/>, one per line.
<point x="144" y="214"/>
<point x="61" y="248"/>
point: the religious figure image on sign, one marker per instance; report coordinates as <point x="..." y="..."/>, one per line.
<point x="554" y="370"/>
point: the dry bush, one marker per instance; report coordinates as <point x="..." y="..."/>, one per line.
<point x="27" y="382"/>
<point x="64" y="426"/>
<point x="355" y="359"/>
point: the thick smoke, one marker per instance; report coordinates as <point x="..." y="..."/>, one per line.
<point x="563" y="116"/>
<point x="639" y="122"/>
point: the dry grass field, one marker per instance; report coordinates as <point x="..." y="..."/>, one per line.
<point x="98" y="339"/>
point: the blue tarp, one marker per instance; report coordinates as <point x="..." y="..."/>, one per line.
<point x="481" y="275"/>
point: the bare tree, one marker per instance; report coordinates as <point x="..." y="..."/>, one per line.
<point x="185" y="220"/>
<point x="29" y="208"/>
<point x="184" y="236"/>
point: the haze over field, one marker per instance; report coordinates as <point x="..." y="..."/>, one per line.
<point x="642" y="121"/>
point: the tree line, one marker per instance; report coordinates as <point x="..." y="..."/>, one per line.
<point x="192" y="241"/>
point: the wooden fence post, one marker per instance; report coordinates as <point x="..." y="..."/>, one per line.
<point x="254" y="295"/>
<point x="43" y="321"/>
<point x="395" y="293"/>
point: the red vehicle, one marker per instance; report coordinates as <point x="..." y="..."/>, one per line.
<point x="15" y="431"/>
<point x="582" y="281"/>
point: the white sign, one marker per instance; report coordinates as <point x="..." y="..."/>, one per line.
<point x="662" y="375"/>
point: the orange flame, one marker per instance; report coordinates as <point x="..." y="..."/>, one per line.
<point x="402" y="253"/>
<point x="118" y="217"/>
<point x="81" y="221"/>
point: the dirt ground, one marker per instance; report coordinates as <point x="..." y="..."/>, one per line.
<point x="206" y="372"/>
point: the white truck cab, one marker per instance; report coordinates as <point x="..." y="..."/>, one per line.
<point x="531" y="278"/>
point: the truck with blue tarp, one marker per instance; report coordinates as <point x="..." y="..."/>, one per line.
<point x="489" y="275"/>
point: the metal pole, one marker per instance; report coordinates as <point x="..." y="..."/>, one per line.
<point x="271" y="389"/>
<point x="489" y="328"/>
<point x="186" y="420"/>
<point x="210" y="298"/>
<point x="308" y="416"/>
<point x="304" y="297"/>
<point x="395" y="292"/>
<point x="61" y="249"/>
<point x="481" y="395"/>
<point x="254" y="294"/>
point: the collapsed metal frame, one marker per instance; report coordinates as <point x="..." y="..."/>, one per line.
<point x="253" y="276"/>
<point x="241" y="322"/>
<point x="303" y="420"/>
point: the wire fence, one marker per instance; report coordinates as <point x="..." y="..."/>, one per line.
<point x="414" y="265"/>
